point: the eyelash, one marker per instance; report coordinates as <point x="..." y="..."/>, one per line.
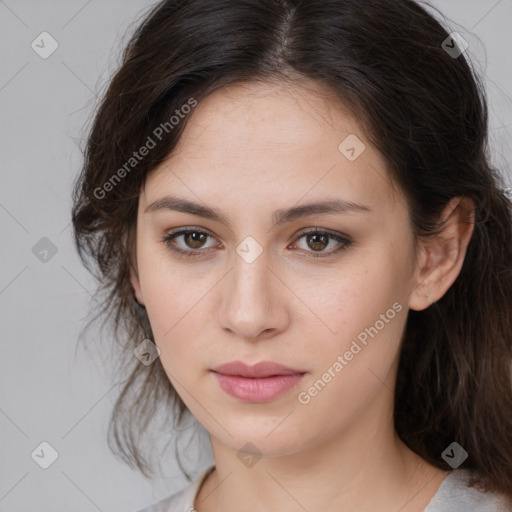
<point x="344" y="242"/>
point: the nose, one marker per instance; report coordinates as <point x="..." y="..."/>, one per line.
<point x="254" y="305"/>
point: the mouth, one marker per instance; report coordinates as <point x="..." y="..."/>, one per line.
<point x="257" y="383"/>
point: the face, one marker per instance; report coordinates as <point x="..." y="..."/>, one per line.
<point x="256" y="276"/>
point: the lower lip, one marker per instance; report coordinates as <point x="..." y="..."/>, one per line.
<point x="257" y="390"/>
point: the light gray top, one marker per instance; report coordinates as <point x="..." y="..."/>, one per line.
<point x="453" y="495"/>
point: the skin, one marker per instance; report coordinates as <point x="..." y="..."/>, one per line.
<point x="249" y="150"/>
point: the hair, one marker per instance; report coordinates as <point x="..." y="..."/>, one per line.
<point x="423" y="109"/>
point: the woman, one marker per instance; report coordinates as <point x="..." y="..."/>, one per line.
<point x="291" y="212"/>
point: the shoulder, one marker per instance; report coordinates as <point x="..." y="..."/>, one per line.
<point x="182" y="501"/>
<point x="454" y="495"/>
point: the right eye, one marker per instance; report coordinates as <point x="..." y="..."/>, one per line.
<point x="193" y="238"/>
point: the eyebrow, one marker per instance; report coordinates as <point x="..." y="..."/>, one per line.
<point x="281" y="216"/>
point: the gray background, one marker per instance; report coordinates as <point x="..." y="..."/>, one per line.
<point x="50" y="390"/>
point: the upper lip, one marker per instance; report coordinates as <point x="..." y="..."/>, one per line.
<point x="259" y="370"/>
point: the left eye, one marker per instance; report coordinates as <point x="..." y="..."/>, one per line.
<point x="319" y="240"/>
<point x="194" y="239"/>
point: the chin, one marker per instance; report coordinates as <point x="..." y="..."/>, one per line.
<point x="258" y="437"/>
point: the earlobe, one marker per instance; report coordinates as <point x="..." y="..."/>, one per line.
<point x="442" y="256"/>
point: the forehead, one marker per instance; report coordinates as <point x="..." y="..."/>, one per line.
<point x="245" y="118"/>
<point x="280" y="138"/>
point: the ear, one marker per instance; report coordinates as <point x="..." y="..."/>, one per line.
<point x="135" y="282"/>
<point x="128" y="241"/>
<point x="441" y="256"/>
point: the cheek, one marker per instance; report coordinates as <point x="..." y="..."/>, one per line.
<point x="168" y="292"/>
<point x="161" y="288"/>
<point x="365" y="311"/>
<point x="355" y="299"/>
<point x="174" y="302"/>
<point x="345" y="304"/>
<point x="350" y="368"/>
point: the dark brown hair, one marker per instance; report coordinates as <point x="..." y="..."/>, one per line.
<point x="423" y="108"/>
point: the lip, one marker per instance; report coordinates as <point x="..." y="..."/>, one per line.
<point x="256" y="383"/>
<point x="255" y="371"/>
